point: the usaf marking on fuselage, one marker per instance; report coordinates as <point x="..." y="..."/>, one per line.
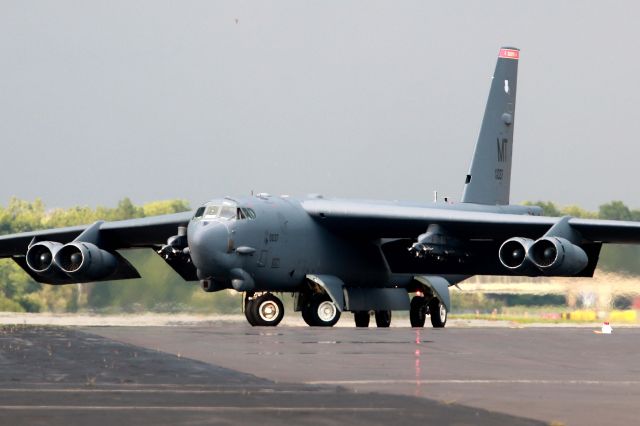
<point x="344" y="255"/>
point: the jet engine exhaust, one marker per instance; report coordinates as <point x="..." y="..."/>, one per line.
<point x="513" y="253"/>
<point x="40" y="257"/>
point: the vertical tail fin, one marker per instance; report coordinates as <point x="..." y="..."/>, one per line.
<point x="489" y="178"/>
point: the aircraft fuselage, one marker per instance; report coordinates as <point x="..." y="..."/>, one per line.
<point x="278" y="248"/>
<point x="272" y="243"/>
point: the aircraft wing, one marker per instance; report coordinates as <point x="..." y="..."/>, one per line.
<point x="142" y="232"/>
<point x="372" y="220"/>
<point x="607" y="231"/>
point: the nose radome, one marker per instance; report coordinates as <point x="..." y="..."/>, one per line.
<point x="207" y="238"/>
<point x="208" y="246"/>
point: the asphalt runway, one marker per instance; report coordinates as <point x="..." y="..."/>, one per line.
<point x="231" y="373"/>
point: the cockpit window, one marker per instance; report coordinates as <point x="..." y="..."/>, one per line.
<point x="228" y="212"/>
<point x="211" y="212"/>
<point x="199" y="212"/>
<point x="246" y="213"/>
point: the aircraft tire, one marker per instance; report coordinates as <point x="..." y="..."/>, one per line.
<point x="438" y="313"/>
<point x="418" y="311"/>
<point x="306" y="316"/>
<point x="248" y="311"/>
<point x="383" y="319"/>
<point x="362" y="318"/>
<point x="267" y="310"/>
<point x="320" y="311"/>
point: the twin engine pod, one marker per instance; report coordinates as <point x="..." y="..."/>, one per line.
<point x="550" y="255"/>
<point x="79" y="260"/>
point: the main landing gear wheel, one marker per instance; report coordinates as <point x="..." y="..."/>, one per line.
<point x="383" y="319"/>
<point x="320" y="311"/>
<point x="248" y="310"/>
<point x="361" y="318"/>
<point x="266" y="310"/>
<point x="438" y="313"/>
<point x="418" y="311"/>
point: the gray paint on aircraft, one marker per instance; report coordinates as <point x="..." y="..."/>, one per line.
<point x="489" y="178"/>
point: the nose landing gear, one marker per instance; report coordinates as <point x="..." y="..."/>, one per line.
<point x="265" y="310"/>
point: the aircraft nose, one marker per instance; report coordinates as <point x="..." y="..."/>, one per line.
<point x="208" y="245"/>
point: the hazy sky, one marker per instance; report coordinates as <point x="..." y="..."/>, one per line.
<point x="198" y="99"/>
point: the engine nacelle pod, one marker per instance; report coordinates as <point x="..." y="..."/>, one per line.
<point x="85" y="261"/>
<point x="40" y="257"/>
<point x="557" y="256"/>
<point x="513" y="254"/>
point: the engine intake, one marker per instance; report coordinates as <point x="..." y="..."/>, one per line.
<point x="40" y="257"/>
<point x="85" y="261"/>
<point x="555" y="255"/>
<point x="513" y="254"/>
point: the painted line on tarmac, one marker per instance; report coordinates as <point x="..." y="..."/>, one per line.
<point x="155" y="391"/>
<point x="479" y="382"/>
<point x="190" y="408"/>
<point x="99" y="385"/>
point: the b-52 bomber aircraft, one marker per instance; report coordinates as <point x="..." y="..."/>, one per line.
<point x="337" y="255"/>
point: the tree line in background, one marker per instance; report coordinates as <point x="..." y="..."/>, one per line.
<point x="161" y="289"/>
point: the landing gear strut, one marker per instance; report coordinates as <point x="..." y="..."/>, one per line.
<point x="266" y="310"/>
